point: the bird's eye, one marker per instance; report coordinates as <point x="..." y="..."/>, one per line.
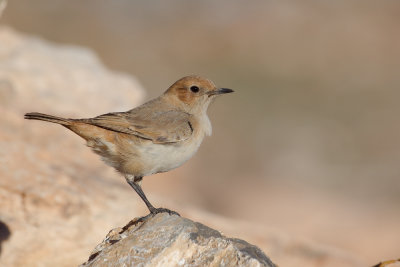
<point x="194" y="89"/>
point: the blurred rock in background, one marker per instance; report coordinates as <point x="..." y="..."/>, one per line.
<point x="308" y="143"/>
<point x="50" y="183"/>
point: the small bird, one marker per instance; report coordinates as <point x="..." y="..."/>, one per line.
<point x="155" y="137"/>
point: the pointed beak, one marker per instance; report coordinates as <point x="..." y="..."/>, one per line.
<point x="220" y="91"/>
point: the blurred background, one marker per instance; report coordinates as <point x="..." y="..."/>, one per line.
<point x="309" y="143"/>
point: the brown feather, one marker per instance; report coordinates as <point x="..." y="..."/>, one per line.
<point x="167" y="125"/>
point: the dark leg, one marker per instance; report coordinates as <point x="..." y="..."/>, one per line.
<point x="140" y="192"/>
<point x="136" y="186"/>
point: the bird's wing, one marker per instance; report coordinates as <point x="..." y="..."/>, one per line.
<point x="160" y="127"/>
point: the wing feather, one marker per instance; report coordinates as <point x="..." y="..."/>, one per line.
<point x="169" y="126"/>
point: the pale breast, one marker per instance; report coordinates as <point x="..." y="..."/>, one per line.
<point x="154" y="158"/>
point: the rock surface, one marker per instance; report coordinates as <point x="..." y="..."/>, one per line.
<point x="53" y="193"/>
<point x="170" y="240"/>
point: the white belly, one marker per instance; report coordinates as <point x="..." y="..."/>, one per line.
<point x="155" y="158"/>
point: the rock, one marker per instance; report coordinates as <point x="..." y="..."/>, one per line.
<point x="170" y="240"/>
<point x="56" y="195"/>
<point x="68" y="80"/>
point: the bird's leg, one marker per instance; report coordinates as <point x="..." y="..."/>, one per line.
<point x="135" y="184"/>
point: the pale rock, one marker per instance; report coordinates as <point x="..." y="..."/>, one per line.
<point x="55" y="195"/>
<point x="170" y="240"/>
<point x="65" y="79"/>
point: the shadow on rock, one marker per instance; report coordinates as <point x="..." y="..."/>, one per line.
<point x="5" y="233"/>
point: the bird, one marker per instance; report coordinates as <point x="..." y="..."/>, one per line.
<point x="155" y="137"/>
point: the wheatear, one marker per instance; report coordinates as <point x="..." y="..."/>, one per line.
<point x="155" y="137"/>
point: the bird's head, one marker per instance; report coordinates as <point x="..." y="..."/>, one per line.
<point x="194" y="94"/>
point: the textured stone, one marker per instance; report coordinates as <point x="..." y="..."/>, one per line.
<point x="54" y="193"/>
<point x="170" y="240"/>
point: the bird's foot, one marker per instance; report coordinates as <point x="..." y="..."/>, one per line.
<point x="161" y="210"/>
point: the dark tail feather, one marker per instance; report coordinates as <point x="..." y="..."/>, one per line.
<point x="45" y="117"/>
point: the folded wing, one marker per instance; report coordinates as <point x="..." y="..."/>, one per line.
<point x="169" y="126"/>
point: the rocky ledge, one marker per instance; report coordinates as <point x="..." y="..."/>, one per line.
<point x="170" y="240"/>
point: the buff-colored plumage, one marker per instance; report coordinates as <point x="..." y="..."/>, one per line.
<point x="157" y="136"/>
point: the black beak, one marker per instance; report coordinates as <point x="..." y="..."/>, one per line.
<point x="220" y="91"/>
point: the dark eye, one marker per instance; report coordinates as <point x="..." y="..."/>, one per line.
<point x="194" y="89"/>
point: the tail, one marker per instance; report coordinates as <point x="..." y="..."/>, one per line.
<point x="49" y="118"/>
